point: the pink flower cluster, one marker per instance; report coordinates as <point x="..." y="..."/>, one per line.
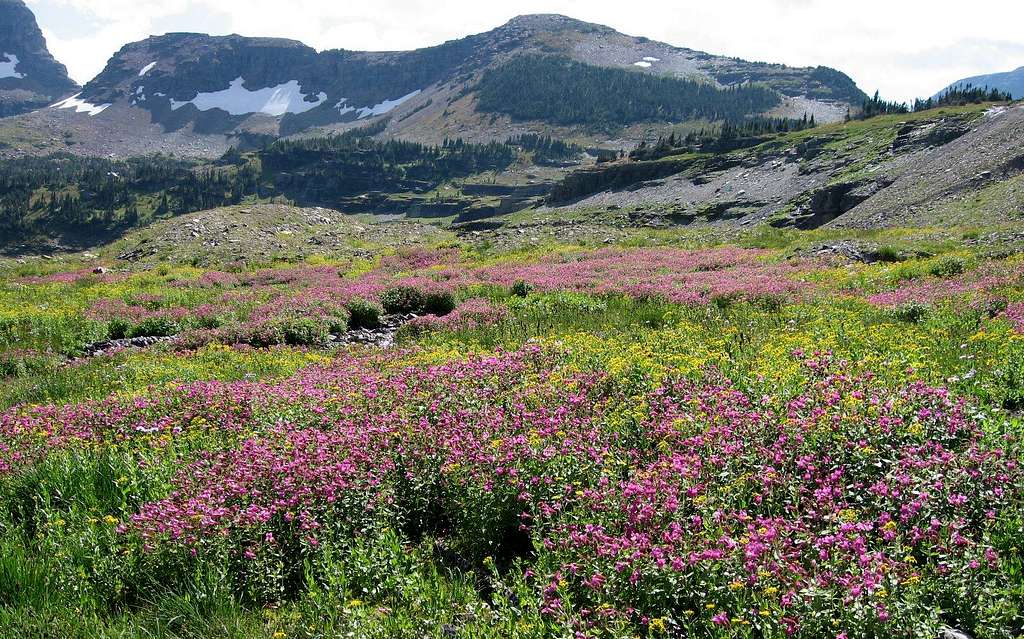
<point x="981" y="283"/>
<point x="472" y="314"/>
<point x="70" y="277"/>
<point x="1015" y="315"/>
<point x="638" y="502"/>
<point x="682" y="276"/>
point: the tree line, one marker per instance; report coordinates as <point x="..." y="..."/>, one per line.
<point x="728" y="136"/>
<point x="960" y="95"/>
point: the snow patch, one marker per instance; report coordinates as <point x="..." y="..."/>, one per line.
<point x="7" y="69"/>
<point x="650" y="59"/>
<point x="643" y="64"/>
<point x="81" y="106"/>
<point x="387" y="105"/>
<point x="237" y="100"/>
<point x="342" y="109"/>
<point x="384" y="107"/>
<point x="146" y="69"/>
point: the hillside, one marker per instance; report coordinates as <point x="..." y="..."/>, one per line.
<point x="943" y="166"/>
<point x="196" y="95"/>
<point x="959" y="166"/>
<point x="30" y="78"/>
<point x="1011" y="82"/>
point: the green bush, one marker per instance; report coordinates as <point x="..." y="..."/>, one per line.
<point x="402" y="299"/>
<point x="948" y="266"/>
<point x="118" y="328"/>
<point x="22" y="364"/>
<point x="338" y="323"/>
<point x="439" y="303"/>
<point x="304" y="331"/>
<point x="364" y="314"/>
<point x="889" y="254"/>
<point x="259" y="335"/>
<point x="910" y="313"/>
<point x="521" y="289"/>
<point x="155" y="327"/>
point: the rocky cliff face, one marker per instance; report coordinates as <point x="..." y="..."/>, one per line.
<point x="30" y="78"/>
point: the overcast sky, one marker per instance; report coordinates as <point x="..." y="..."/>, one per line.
<point x="905" y="49"/>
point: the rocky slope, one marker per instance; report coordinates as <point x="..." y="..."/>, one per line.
<point x="30" y="78"/>
<point x="197" y="94"/>
<point x="956" y="166"/>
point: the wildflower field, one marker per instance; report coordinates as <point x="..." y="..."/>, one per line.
<point x="560" y="442"/>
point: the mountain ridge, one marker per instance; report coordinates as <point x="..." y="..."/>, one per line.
<point x="218" y="91"/>
<point x="1011" y="82"/>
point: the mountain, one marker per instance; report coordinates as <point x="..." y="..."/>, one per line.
<point x="30" y="78"/>
<point x="1011" y="82"/>
<point x="196" y="95"/>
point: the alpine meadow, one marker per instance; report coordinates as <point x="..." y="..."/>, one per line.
<point x="548" y="332"/>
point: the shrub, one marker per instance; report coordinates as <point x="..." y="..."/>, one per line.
<point x="521" y="288"/>
<point x="337" y="323"/>
<point x="194" y="340"/>
<point x="304" y="331"/>
<point x="888" y="254"/>
<point x="419" y="327"/>
<point x="208" y="321"/>
<point x="911" y="312"/>
<point x="948" y="266"/>
<point x="364" y="314"/>
<point x="20" y="363"/>
<point x="403" y="299"/>
<point x="155" y="327"/>
<point x="439" y="303"/>
<point x="261" y="334"/>
<point x="118" y="328"/>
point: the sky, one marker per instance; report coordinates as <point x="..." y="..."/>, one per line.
<point x="904" y="49"/>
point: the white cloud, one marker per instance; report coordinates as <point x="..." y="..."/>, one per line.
<point x="902" y="48"/>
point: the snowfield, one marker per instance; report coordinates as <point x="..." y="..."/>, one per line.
<point x="146" y="69"/>
<point x="81" y="106"/>
<point x="384" y="107"/>
<point x="7" y="69"/>
<point x="237" y="100"/>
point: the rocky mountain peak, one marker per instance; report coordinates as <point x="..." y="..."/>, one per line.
<point x="551" y="22"/>
<point x="30" y="78"/>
